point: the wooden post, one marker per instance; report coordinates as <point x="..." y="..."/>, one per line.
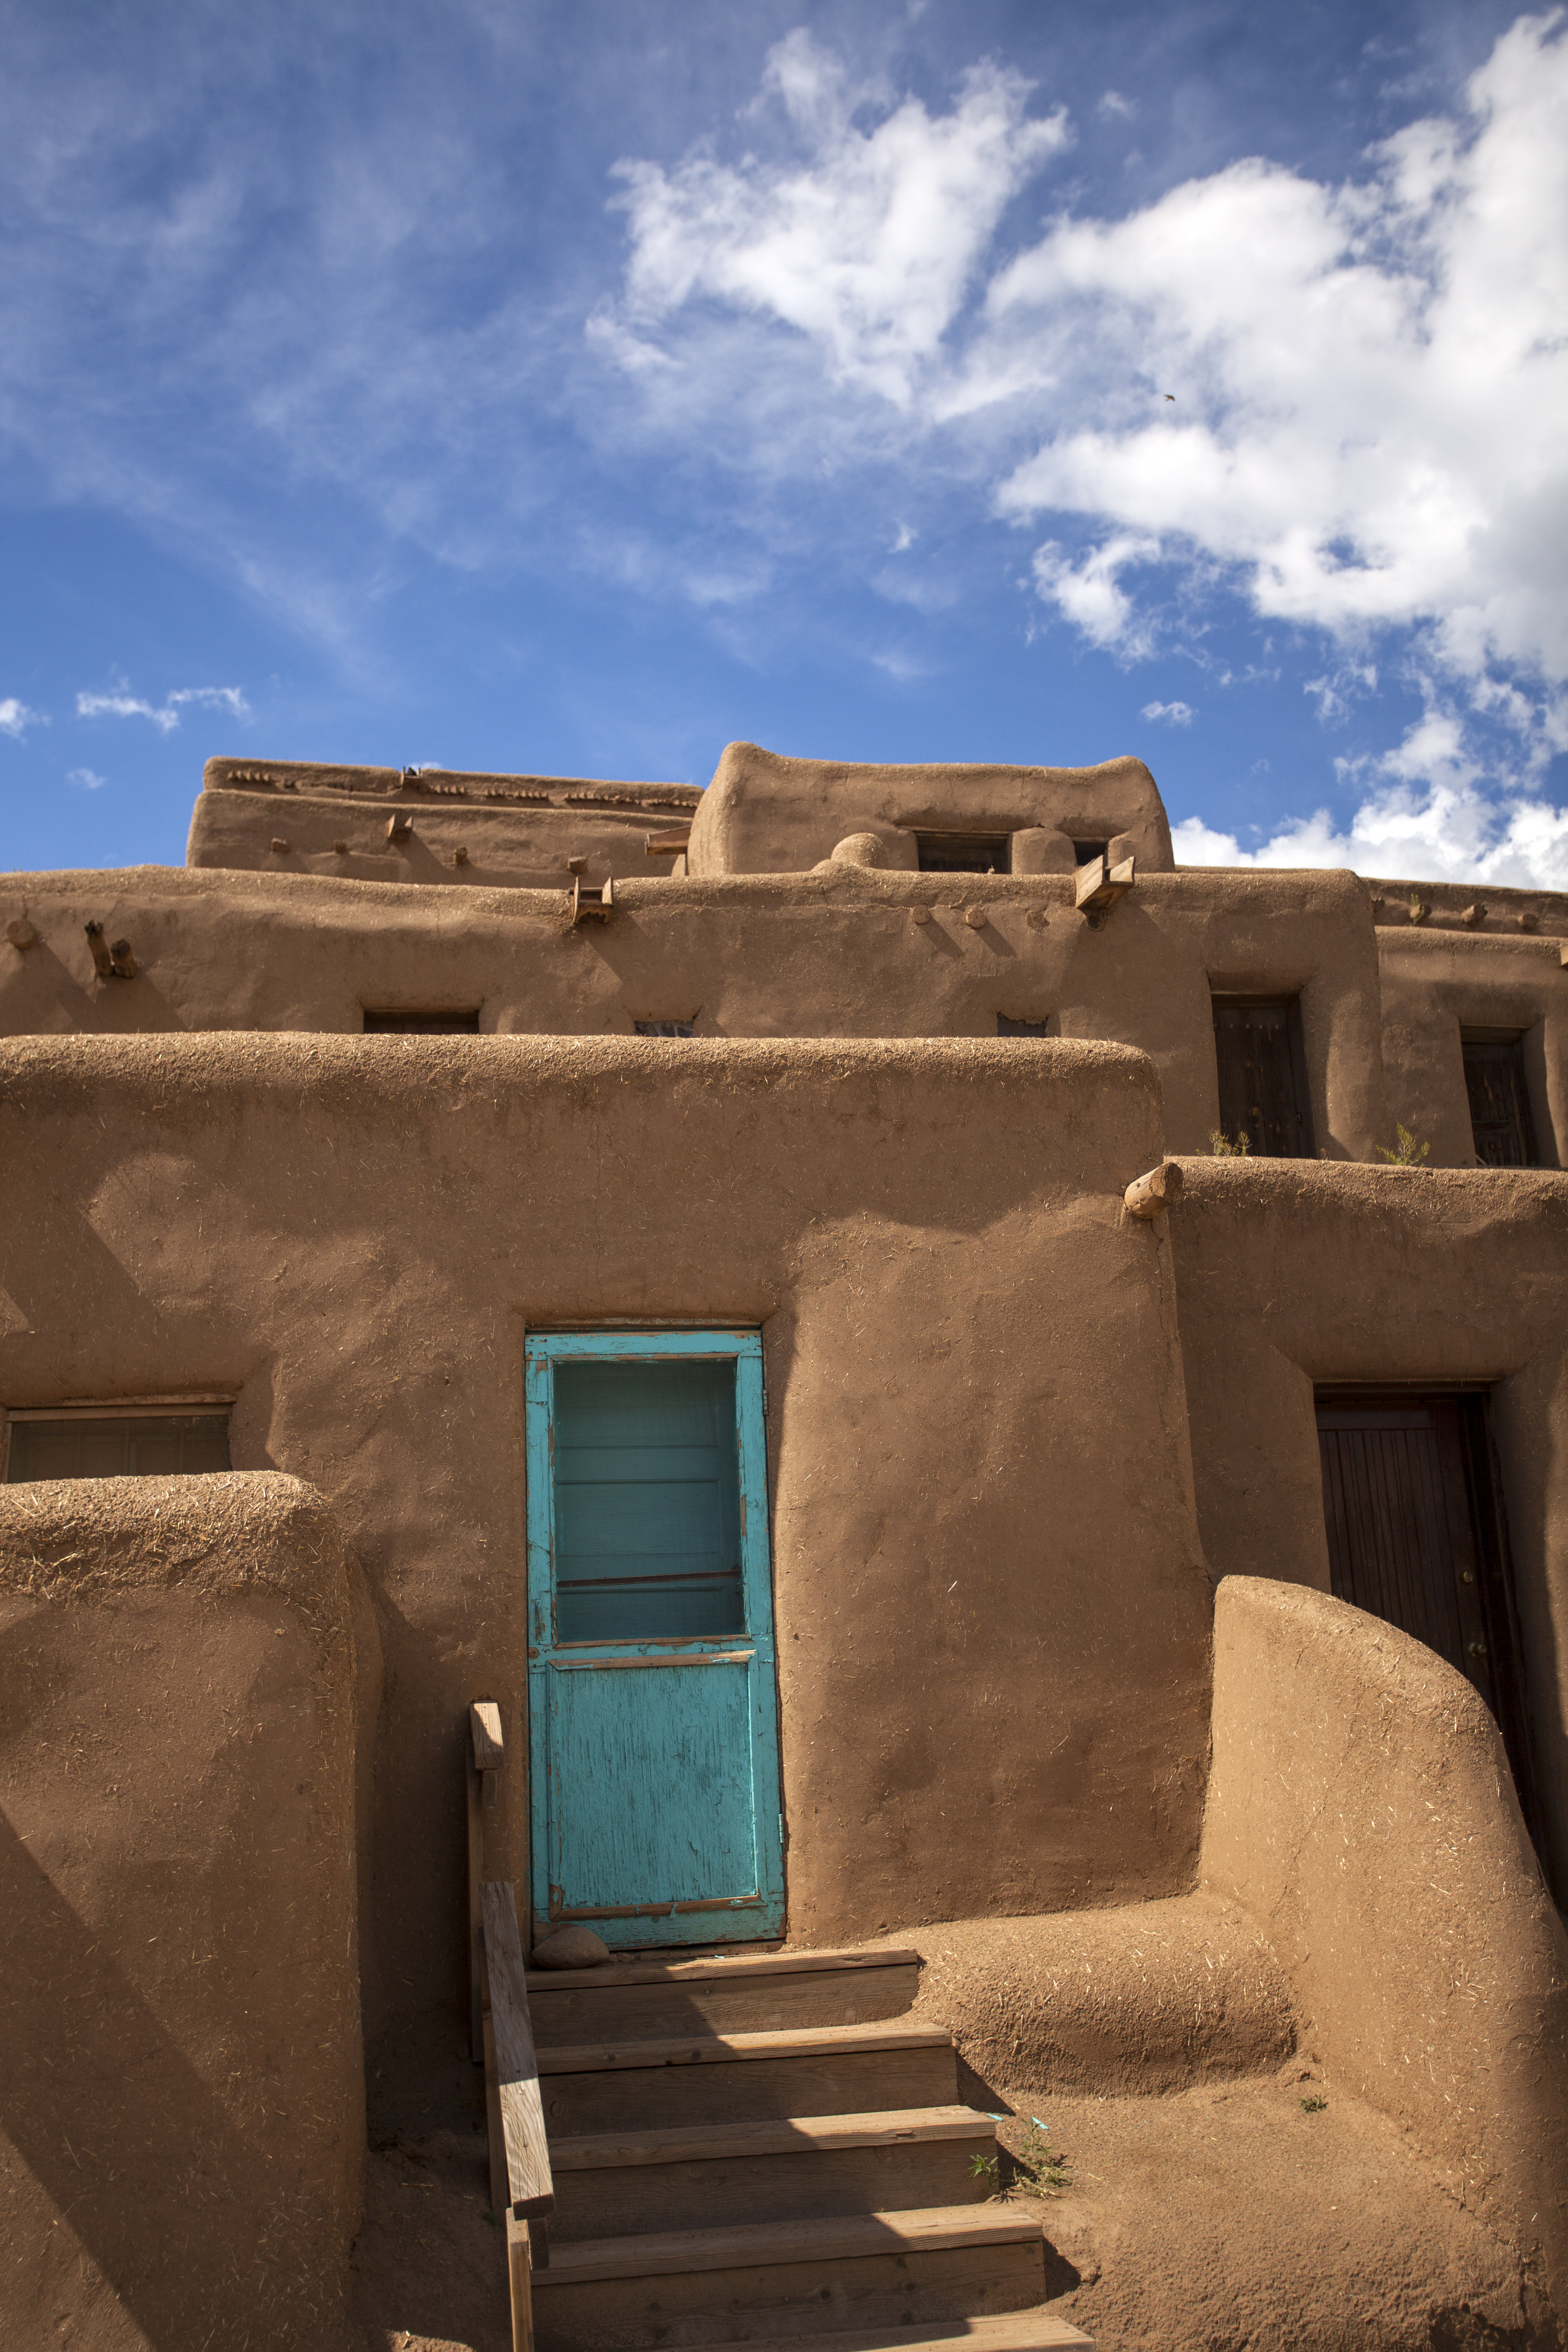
<point x="485" y="1753"/>
<point x="520" y="2279"/>
<point x="1160" y="1189"/>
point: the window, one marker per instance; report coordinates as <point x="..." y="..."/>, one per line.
<point x="1007" y="1027"/>
<point x="1263" y="1074"/>
<point x="963" y="852"/>
<point x="1084" y="853"/>
<point x="665" y="1028"/>
<point x="98" y="1443"/>
<point x="1500" y="1099"/>
<point x="402" y="1020"/>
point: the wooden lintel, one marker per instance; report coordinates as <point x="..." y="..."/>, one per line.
<point x="669" y="844"/>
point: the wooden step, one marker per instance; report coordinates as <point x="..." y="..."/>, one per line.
<point x="1006" y="2331"/>
<point x="860" y="2271"/>
<point x="619" y="2183"/>
<point x="651" y="1999"/>
<point x="605" y="2087"/>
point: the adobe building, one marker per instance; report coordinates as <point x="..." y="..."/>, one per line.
<point x="674" y="1264"/>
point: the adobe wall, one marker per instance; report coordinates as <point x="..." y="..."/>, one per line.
<point x="832" y="954"/>
<point x="465" y="831"/>
<point x="182" y="2104"/>
<point x="1289" y="1274"/>
<point x="1438" y="981"/>
<point x="765" y="813"/>
<point x="992" y="1611"/>
<point x="1360" y="1807"/>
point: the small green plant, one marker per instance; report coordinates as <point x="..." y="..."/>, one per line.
<point x="987" y="2167"/>
<point x="1314" y="2105"/>
<point x="1418" y="912"/>
<point x="1222" y="1147"/>
<point x="1409" y="1154"/>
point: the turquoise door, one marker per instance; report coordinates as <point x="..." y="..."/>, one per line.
<point x="653" y="1729"/>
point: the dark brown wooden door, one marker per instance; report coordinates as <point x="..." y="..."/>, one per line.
<point x="1262" y="1076"/>
<point x="1499" y="1100"/>
<point x="1415" y="1536"/>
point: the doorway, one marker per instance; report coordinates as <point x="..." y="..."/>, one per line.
<point x="1414" y="1514"/>
<point x="652" y="1680"/>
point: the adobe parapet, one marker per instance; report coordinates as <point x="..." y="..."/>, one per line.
<point x="428" y="824"/>
<point x="763" y="813"/>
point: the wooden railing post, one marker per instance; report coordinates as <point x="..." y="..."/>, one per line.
<point x="485" y="1754"/>
<point x="521" y="2188"/>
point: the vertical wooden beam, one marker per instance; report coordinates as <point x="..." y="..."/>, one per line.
<point x="484" y="1754"/>
<point x="520" y="2279"/>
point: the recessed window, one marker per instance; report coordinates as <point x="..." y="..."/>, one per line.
<point x="130" y="1445"/>
<point x="1262" y="1074"/>
<point x="665" y="1028"/>
<point x="1084" y="853"/>
<point x="1007" y="1027"/>
<point x="1500" y="1123"/>
<point x="963" y="852"/>
<point x="402" y="1021"/>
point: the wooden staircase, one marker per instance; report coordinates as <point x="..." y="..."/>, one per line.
<point x="765" y="2150"/>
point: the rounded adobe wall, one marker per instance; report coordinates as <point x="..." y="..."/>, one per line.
<point x="1360" y="1808"/>
<point x="765" y="813"/>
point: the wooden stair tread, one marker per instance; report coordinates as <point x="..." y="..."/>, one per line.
<point x="731" y="1968"/>
<point x="787" y="2136"/>
<point x="756" y="2245"/>
<point x="715" y="2049"/>
<point x="1002" y="2331"/>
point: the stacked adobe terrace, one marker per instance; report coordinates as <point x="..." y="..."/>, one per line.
<point x="496" y="1172"/>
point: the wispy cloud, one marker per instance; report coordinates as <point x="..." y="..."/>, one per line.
<point x="165" y="716"/>
<point x="15" y="718"/>
<point x="86" y="780"/>
<point x="1174" y="714"/>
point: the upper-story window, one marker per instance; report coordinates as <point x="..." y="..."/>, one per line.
<point x="415" y="1021"/>
<point x="96" y="1442"/>
<point x="1084" y="853"/>
<point x="1263" y="1074"/>
<point x="963" y="852"/>
<point x="1007" y="1027"/>
<point x="1499" y="1098"/>
<point x="665" y="1028"/>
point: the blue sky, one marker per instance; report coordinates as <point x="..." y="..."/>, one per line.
<point x="575" y="387"/>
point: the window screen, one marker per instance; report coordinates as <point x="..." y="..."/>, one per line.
<point x="647" y="1501"/>
<point x="664" y="1028"/>
<point x="402" y="1020"/>
<point x="963" y="852"/>
<point x="119" y="1446"/>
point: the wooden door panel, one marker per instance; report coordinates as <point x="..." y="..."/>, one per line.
<point x="652" y="1797"/>
<point x="652" y="1678"/>
<point x="1262" y="1085"/>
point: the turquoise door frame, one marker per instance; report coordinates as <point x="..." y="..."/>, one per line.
<point x="655" y="1812"/>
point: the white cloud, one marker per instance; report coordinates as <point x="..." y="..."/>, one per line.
<point x="868" y="244"/>
<point x="1115" y="107"/>
<point x="1089" y="593"/>
<point x="164" y="715"/>
<point x="1372" y="379"/>
<point x="15" y="718"/>
<point x="87" y="778"/>
<point x="1424" y="816"/>
<point x="1176" y="714"/>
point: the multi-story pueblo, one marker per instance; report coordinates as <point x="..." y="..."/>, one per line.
<point x="835" y="1498"/>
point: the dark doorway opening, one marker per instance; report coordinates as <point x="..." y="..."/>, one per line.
<point x="963" y="852"/>
<point x="1499" y="1098"/>
<point x="1413" y="1507"/>
<point x="1263" y="1074"/>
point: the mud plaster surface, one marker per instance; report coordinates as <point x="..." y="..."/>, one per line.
<point x="1212" y="2219"/>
